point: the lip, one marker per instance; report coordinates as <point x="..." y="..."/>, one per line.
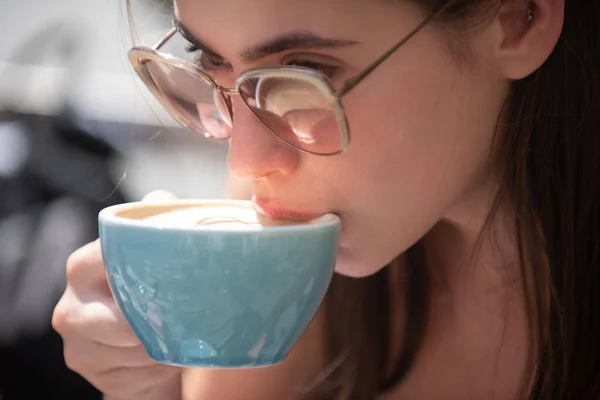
<point x="275" y="211"/>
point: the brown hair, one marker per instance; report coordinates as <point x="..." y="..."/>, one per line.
<point x="549" y="168"/>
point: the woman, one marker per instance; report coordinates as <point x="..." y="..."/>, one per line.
<point x="465" y="171"/>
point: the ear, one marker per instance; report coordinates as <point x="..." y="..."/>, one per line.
<point x="527" y="32"/>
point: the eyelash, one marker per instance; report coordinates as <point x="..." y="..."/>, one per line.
<point x="203" y="60"/>
<point x="211" y="62"/>
<point x="327" y="69"/>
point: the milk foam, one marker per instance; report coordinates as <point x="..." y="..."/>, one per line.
<point x="215" y="216"/>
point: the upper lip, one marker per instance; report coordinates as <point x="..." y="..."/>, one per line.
<point x="274" y="210"/>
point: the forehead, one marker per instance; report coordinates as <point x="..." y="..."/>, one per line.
<point x="270" y="12"/>
<point x="235" y="24"/>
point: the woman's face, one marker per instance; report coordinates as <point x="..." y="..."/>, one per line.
<point x="421" y="124"/>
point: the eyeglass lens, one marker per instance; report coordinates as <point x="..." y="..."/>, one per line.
<point x="295" y="109"/>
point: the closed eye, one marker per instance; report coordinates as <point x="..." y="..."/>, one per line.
<point x="205" y="59"/>
<point x="327" y="69"/>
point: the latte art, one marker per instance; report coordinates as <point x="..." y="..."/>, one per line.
<point x="222" y="220"/>
<point x="226" y="217"/>
<point x="234" y="216"/>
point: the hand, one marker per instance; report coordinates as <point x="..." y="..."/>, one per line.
<point x="98" y="342"/>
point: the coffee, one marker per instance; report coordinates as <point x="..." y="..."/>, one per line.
<point x="226" y="217"/>
<point x="220" y="216"/>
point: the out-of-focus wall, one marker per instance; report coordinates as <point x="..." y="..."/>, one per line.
<point x="73" y="52"/>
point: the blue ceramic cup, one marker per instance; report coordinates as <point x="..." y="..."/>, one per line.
<point x="211" y="283"/>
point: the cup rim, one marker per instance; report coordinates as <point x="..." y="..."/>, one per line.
<point x="109" y="215"/>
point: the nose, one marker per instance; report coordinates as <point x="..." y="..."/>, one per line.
<point x="254" y="151"/>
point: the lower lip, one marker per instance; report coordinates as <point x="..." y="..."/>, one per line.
<point x="275" y="212"/>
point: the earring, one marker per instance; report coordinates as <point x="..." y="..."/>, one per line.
<point x="530" y="12"/>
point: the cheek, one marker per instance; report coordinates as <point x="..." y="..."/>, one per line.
<point x="376" y="232"/>
<point x="417" y="149"/>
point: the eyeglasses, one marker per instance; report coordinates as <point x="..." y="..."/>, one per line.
<point x="298" y="105"/>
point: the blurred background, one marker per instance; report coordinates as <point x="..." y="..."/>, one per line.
<point x="78" y="132"/>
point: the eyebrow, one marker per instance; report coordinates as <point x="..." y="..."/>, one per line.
<point x="288" y="41"/>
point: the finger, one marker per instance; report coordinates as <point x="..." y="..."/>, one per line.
<point x="85" y="267"/>
<point x="98" y="319"/>
<point x="158" y="196"/>
<point x="88" y="358"/>
<point x="155" y="382"/>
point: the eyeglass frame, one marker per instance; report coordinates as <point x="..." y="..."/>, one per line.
<point x="140" y="54"/>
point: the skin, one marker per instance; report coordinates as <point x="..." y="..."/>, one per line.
<point x="418" y="167"/>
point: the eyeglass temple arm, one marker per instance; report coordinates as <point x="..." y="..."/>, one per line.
<point x="356" y="79"/>
<point x="165" y="39"/>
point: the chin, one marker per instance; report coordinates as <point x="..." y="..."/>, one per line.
<point x="348" y="264"/>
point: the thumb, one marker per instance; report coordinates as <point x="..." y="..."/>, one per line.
<point x="158" y="196"/>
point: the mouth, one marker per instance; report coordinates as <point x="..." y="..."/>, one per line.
<point x="275" y="211"/>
